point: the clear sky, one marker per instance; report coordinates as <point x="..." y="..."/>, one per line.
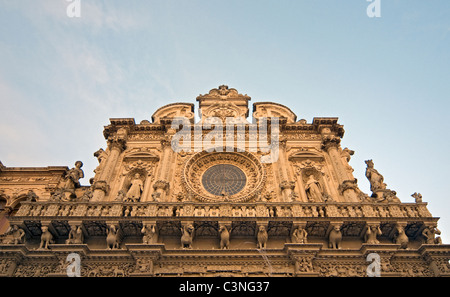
<point x="386" y="78"/>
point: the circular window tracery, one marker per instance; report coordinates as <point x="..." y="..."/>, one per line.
<point x="238" y="177"/>
<point x="224" y="179"/>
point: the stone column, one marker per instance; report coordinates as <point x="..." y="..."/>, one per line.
<point x="117" y="145"/>
<point x="348" y="189"/>
<point x="161" y="186"/>
<point x="287" y="185"/>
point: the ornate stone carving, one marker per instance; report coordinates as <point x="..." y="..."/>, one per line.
<point x="248" y="163"/>
<point x="113" y="237"/>
<point x="400" y="237"/>
<point x="15" y="235"/>
<point x="224" y="237"/>
<point x="371" y="234"/>
<point x="335" y="237"/>
<point x="429" y="234"/>
<point x="313" y="189"/>
<point x="46" y="238"/>
<point x="72" y="181"/>
<point x="75" y="235"/>
<point x="150" y="234"/>
<point x="187" y="236"/>
<point x="135" y="191"/>
<point x="262" y="237"/>
<point x="417" y="197"/>
<point x="299" y="235"/>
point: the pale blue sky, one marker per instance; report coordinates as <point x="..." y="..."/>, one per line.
<point x="387" y="79"/>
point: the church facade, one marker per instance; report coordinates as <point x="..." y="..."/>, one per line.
<point x="218" y="196"/>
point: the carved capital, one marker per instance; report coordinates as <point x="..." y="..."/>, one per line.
<point x="348" y="185"/>
<point x="330" y="141"/>
<point x="287" y="185"/>
<point x="101" y="185"/>
<point x="161" y="184"/>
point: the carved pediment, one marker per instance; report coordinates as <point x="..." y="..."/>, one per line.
<point x="270" y="109"/>
<point x="168" y="112"/>
<point x="223" y="102"/>
<point x="306" y="154"/>
<point x="142" y="154"/>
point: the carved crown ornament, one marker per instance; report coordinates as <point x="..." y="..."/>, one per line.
<point x="222" y="92"/>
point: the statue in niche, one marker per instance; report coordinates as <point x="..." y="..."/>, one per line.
<point x="375" y="178"/>
<point x="135" y="191"/>
<point x="73" y="177"/>
<point x="313" y="189"/>
<point x="299" y="235"/>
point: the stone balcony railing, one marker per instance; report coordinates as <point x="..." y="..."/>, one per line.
<point x="67" y="210"/>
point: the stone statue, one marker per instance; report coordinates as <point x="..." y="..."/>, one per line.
<point x="31" y="196"/>
<point x="371" y="235"/>
<point x="224" y="237"/>
<point x="187" y="236"/>
<point x="401" y="238"/>
<point x="136" y="189"/>
<point x="429" y="233"/>
<point x="73" y="177"/>
<point x="14" y="235"/>
<point x="120" y="196"/>
<point x="346" y="154"/>
<point x="313" y="189"/>
<point x="112" y="238"/>
<point x="46" y="238"/>
<point x="75" y="235"/>
<point x="262" y="237"/>
<point x="376" y="179"/>
<point x="150" y="235"/>
<point x="417" y="197"/>
<point x="335" y="238"/>
<point x="299" y="235"/>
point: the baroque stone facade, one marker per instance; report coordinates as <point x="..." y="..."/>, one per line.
<point x="274" y="196"/>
